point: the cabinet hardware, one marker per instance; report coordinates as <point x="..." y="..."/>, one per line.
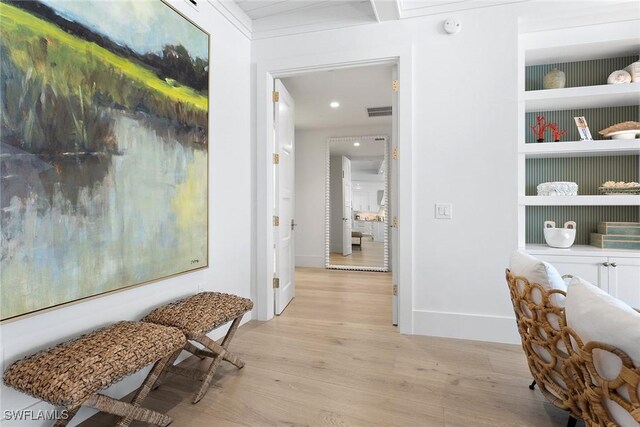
<point x="606" y="264"/>
<point x="613" y="264"/>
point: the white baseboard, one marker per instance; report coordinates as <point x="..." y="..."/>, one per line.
<point x="501" y="329"/>
<point x="315" y="261"/>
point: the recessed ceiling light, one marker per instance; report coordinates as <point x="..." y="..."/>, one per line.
<point x="334" y="104"/>
<point x="356" y="144"/>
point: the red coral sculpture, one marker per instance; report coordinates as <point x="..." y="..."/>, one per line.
<point x="557" y="134"/>
<point x="539" y="128"/>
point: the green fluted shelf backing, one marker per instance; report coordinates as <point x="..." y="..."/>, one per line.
<point x="597" y="119"/>
<point x="588" y="172"/>
<point x="582" y="73"/>
<point x="586" y="217"/>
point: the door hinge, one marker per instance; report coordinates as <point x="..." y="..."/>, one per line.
<point x="395" y="153"/>
<point x="395" y="290"/>
<point x="276" y="220"/>
<point x="275" y="96"/>
<point x="394" y="221"/>
<point x="276" y="282"/>
<point x="395" y="85"/>
<point x="276" y="159"/>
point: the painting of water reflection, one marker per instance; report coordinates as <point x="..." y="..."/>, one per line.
<point x="103" y="148"/>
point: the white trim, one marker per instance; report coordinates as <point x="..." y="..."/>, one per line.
<point x="327" y="205"/>
<point x="236" y="16"/>
<point x="402" y="54"/>
<point x="477" y="327"/>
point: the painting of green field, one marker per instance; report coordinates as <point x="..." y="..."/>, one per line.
<point x="104" y="141"/>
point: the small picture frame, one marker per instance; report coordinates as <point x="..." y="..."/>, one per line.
<point x="583" y="129"/>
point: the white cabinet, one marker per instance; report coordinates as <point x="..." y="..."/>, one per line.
<point x="365" y="200"/>
<point x="619" y="276"/>
<point x="378" y="231"/>
<point x="624" y="280"/>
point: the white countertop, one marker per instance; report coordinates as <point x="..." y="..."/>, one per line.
<point x="581" y="250"/>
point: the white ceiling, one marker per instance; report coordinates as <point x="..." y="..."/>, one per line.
<point x="263" y="19"/>
<point x="355" y="89"/>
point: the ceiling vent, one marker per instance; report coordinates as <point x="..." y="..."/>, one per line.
<point x="379" y="111"/>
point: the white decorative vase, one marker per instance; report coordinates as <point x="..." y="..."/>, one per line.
<point x="554" y="79"/>
<point x="562" y="238"/>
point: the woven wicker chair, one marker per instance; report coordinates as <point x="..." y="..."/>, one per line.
<point x="540" y="319"/>
<point x="195" y="316"/>
<point x="563" y="366"/>
<point x="72" y="373"/>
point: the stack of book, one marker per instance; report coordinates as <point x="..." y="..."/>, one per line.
<point x="617" y="235"/>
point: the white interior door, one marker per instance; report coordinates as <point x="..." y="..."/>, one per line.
<point x="392" y="208"/>
<point x="284" y="191"/>
<point x="347" y="206"/>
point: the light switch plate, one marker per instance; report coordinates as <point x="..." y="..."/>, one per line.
<point x="444" y="211"/>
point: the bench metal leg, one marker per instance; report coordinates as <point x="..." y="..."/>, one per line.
<point x="127" y="411"/>
<point x="144" y="390"/>
<point x="63" y="421"/>
<point x="158" y="381"/>
<point x="221" y="353"/>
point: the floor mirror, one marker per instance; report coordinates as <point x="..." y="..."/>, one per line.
<point x="356" y="212"/>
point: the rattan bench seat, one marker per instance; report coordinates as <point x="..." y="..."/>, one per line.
<point x="71" y="372"/>
<point x="195" y="316"/>
<point x="200" y="313"/>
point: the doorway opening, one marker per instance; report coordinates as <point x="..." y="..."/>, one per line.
<point x="269" y="72"/>
<point x="333" y="181"/>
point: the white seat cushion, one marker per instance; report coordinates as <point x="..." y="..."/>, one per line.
<point x="536" y="271"/>
<point x="597" y="316"/>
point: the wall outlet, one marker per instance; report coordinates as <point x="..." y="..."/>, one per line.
<point x="444" y="211"/>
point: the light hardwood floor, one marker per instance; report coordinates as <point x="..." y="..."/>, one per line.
<point x="371" y="254"/>
<point x="334" y="359"/>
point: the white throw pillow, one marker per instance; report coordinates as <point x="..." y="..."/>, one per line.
<point x="536" y="271"/>
<point x="597" y="316"/>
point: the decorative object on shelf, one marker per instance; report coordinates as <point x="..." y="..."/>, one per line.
<point x="583" y="129"/>
<point x="558" y="189"/>
<point x="620" y="188"/>
<point x="624" y="130"/>
<point x="619" y="228"/>
<point x="557" y="134"/>
<point x="561" y="238"/>
<point x="539" y="128"/>
<point x="634" y="71"/>
<point x="612" y="241"/>
<point x="619" y="76"/>
<point x="554" y="79"/>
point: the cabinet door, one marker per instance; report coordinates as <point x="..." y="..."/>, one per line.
<point x="624" y="280"/>
<point x="591" y="269"/>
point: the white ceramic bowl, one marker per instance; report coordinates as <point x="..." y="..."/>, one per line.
<point x="562" y="238"/>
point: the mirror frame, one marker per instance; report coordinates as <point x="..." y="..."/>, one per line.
<point x="327" y="204"/>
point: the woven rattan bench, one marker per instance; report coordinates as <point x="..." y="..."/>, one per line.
<point x="195" y="316"/>
<point x="71" y="374"/>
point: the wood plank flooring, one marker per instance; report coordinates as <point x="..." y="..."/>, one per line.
<point x="334" y="359"/>
<point x="371" y="254"/>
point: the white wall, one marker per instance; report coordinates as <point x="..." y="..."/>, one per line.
<point x="230" y="223"/>
<point x="310" y="189"/>
<point x="465" y="104"/>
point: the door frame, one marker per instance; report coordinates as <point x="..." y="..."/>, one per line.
<point x="266" y="71"/>
<point x="327" y="209"/>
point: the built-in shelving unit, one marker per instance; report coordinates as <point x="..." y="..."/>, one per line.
<point x="582" y="97"/>
<point x="587" y="55"/>
<point x="621" y="147"/>
<point x="616" y="200"/>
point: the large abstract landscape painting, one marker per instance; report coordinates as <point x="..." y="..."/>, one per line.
<point x="104" y="148"/>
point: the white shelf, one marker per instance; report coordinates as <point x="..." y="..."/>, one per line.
<point x="620" y="147"/>
<point x="581" y="250"/>
<point x="625" y="200"/>
<point x="582" y="97"/>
